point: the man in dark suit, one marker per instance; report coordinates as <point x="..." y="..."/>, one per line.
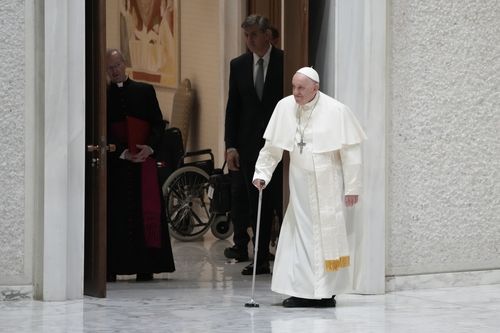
<point x="255" y="87"/>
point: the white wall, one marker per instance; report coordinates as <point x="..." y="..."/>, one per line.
<point x="434" y="96"/>
<point x="443" y="141"/>
<point x="42" y="180"/>
<point x="360" y="82"/>
<point x="15" y="234"/>
<point x="62" y="235"/>
<point x="43" y="126"/>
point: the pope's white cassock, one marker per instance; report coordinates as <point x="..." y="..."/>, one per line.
<point x="323" y="138"/>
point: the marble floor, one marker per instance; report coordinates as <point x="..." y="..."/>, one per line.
<point x="207" y="293"/>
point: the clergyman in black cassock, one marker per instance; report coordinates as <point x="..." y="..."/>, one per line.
<point x="138" y="238"/>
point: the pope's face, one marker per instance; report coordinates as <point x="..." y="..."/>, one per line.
<point x="304" y="89"/>
<point x="116" y="68"/>
<point x="256" y="40"/>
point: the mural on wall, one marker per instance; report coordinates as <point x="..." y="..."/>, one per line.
<point x="148" y="40"/>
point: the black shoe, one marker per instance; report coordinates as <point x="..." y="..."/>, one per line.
<point x="237" y="253"/>
<point x="260" y="269"/>
<point x="327" y="302"/>
<point x="144" y="277"/>
<point x="297" y="302"/>
<point x="110" y="277"/>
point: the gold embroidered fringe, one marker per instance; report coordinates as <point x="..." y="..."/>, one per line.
<point x="335" y="265"/>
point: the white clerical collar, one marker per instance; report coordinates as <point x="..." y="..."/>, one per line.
<point x="265" y="57"/>
<point x="309" y="105"/>
<point x="121" y="84"/>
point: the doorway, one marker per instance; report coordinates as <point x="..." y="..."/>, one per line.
<point x="96" y="145"/>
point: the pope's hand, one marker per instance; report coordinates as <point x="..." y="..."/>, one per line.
<point x="259" y="184"/>
<point x="351" y="200"/>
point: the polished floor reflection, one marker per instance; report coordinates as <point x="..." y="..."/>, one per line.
<point x="207" y="293"/>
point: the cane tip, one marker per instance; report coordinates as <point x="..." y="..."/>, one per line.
<point x="251" y="305"/>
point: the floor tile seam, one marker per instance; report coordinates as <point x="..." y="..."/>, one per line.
<point x="478" y="307"/>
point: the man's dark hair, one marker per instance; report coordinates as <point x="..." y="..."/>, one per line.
<point x="261" y="21"/>
<point x="274" y="32"/>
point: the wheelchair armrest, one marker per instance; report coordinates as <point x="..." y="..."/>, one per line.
<point x="200" y="152"/>
<point x="192" y="158"/>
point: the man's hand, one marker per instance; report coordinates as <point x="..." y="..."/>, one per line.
<point x="351" y="200"/>
<point x="233" y="160"/>
<point x="259" y="183"/>
<point x="144" y="152"/>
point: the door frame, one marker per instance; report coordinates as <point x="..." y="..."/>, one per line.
<point x="57" y="53"/>
<point x="96" y="146"/>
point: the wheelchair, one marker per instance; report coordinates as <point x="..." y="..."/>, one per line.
<point x="187" y="193"/>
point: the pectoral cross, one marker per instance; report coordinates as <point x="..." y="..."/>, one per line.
<point x="301" y="144"/>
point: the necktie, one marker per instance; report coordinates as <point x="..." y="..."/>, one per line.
<point x="259" y="78"/>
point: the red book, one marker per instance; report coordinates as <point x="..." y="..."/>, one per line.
<point x="137" y="133"/>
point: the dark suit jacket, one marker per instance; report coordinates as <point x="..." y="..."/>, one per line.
<point x="246" y="115"/>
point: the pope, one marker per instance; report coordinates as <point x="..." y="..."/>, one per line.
<point x="324" y="139"/>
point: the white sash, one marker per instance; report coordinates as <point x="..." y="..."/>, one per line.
<point x="327" y="210"/>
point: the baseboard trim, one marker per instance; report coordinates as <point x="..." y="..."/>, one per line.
<point x="16" y="293"/>
<point x="442" y="280"/>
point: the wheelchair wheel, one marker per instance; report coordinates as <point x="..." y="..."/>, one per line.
<point x="187" y="204"/>
<point x="221" y="226"/>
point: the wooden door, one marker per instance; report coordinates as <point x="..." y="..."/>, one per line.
<point x="295" y="39"/>
<point x="295" y="32"/>
<point x="296" y="46"/>
<point x="295" y="36"/>
<point x="268" y="8"/>
<point x="96" y="146"/>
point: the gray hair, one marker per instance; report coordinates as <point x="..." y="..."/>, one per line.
<point x="256" y="20"/>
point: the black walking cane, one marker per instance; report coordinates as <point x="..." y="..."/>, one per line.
<point x="252" y="303"/>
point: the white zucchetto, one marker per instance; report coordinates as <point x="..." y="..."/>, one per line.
<point x="310" y="73"/>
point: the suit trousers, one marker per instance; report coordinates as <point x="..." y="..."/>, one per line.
<point x="272" y="190"/>
<point x="239" y="211"/>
